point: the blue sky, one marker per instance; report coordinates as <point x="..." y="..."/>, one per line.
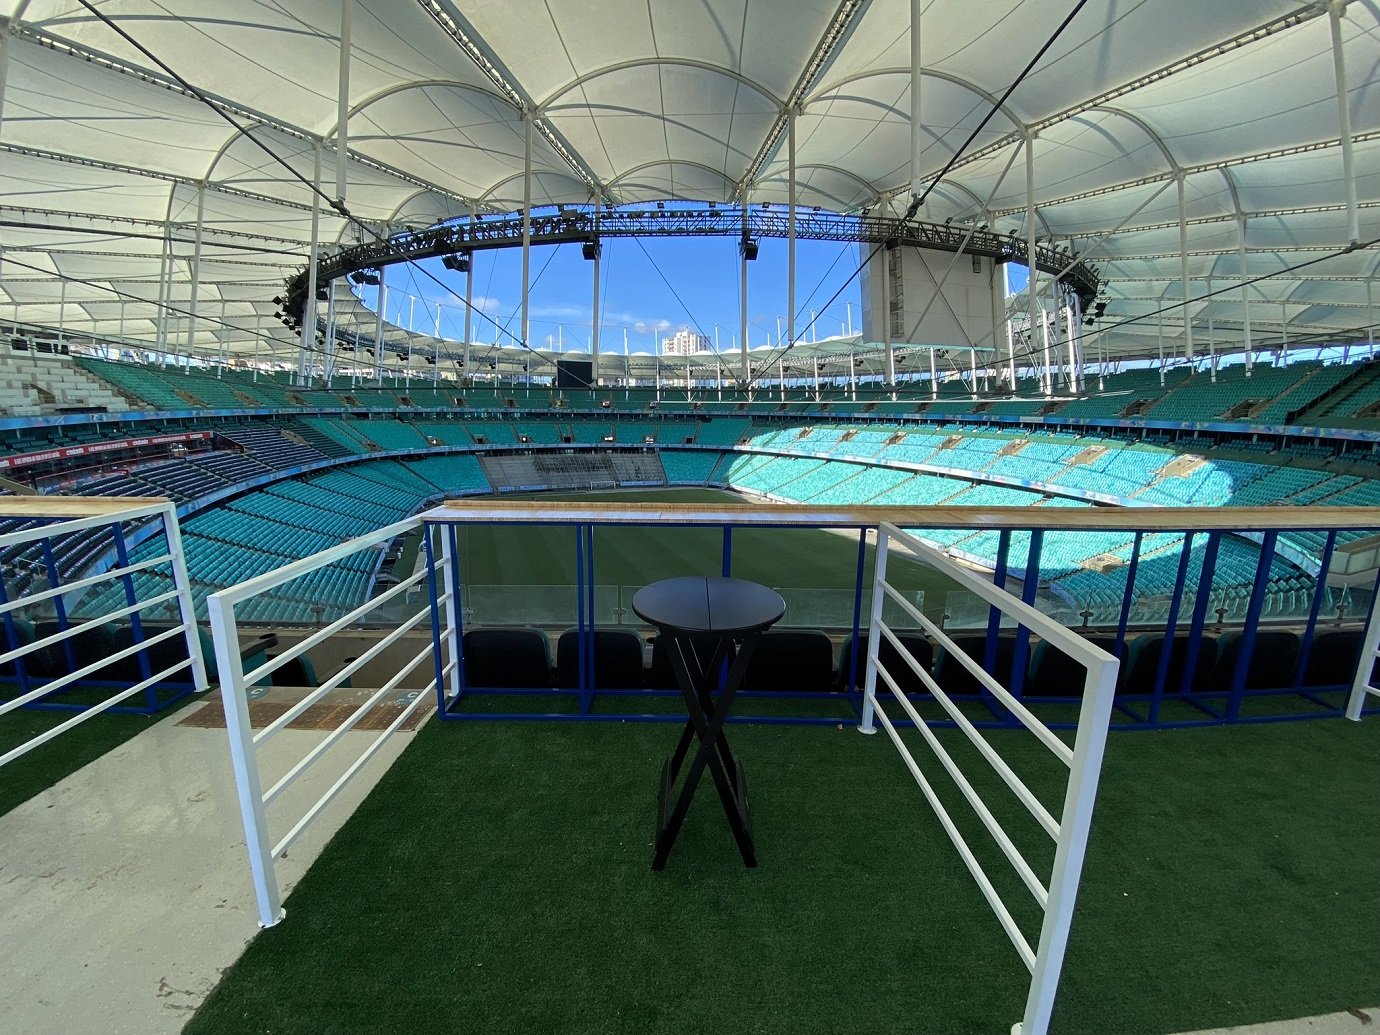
<point x="636" y="299"/>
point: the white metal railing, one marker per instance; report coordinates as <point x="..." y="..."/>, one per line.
<point x="246" y="743"/>
<point x="1361" y="685"/>
<point x="81" y="514"/>
<point x="1069" y="830"/>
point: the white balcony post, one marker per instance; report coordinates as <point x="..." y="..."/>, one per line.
<point x="1361" y="686"/>
<point x="1074" y="824"/>
<point x="874" y="632"/>
<point x="450" y="625"/>
<point x="244" y="761"/>
<point x="185" y="602"/>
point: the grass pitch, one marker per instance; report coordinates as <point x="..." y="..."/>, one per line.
<point x="806" y="560"/>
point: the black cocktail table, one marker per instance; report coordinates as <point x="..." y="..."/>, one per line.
<point x="732" y="613"/>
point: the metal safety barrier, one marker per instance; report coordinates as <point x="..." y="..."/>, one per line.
<point x="246" y="743"/>
<point x="1069" y="830"/>
<point x="50" y="540"/>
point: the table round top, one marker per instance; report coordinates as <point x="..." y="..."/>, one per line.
<point x="708" y="604"/>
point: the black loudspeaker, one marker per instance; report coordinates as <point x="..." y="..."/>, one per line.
<point x="574" y="373"/>
<point x="591" y="249"/>
<point x="748" y="249"/>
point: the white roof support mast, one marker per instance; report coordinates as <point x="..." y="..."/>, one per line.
<point x="1335" y="10"/>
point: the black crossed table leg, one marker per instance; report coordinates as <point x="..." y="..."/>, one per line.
<point x="706" y="722"/>
<point x="727" y="611"/>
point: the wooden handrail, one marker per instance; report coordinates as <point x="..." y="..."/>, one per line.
<point x="73" y="506"/>
<point x="1134" y="519"/>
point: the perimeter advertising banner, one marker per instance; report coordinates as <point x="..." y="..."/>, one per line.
<point x="28" y="459"/>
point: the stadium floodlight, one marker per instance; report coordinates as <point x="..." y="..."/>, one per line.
<point x="279" y="300"/>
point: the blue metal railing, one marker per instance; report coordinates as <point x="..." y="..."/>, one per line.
<point x="1184" y="668"/>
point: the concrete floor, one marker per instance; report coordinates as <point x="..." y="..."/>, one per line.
<point x="1350" y="1022"/>
<point x="125" y="889"/>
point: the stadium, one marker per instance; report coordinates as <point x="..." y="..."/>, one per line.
<point x="1026" y="354"/>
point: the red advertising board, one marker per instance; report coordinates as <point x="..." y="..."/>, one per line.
<point x="66" y="452"/>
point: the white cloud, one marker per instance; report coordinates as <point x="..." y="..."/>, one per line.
<point x="564" y="311"/>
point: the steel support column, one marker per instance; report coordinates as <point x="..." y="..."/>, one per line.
<point x="308" y="338"/>
<point x="1245" y="292"/>
<point x="1283" y="334"/>
<point x="1080" y="360"/>
<point x="160" y="327"/>
<point x="1047" y="359"/>
<point x="4" y="63"/>
<point x="342" y="96"/>
<point x="1159" y="342"/>
<point x="1212" y="335"/>
<point x="192" y="303"/>
<point x="594" y="325"/>
<point x="889" y="356"/>
<point x="1032" y="301"/>
<point x="526" y="223"/>
<point x="1183" y="266"/>
<point x="380" y="304"/>
<point x="1335" y="10"/>
<point x="790" y="226"/>
<point x="1370" y="319"/>
<point x="917" y="120"/>
<point x="329" y="345"/>
<point x="744" y="374"/>
<point x="468" y="374"/>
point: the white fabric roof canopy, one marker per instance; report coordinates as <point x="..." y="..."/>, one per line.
<point x="102" y="153"/>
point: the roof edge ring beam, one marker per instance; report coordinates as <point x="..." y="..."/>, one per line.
<point x="570" y="226"/>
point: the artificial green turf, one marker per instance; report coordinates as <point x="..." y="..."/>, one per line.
<point x="48" y="763"/>
<point x="497" y="881"/>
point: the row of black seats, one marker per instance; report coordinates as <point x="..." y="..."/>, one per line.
<point x="803" y="660"/>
